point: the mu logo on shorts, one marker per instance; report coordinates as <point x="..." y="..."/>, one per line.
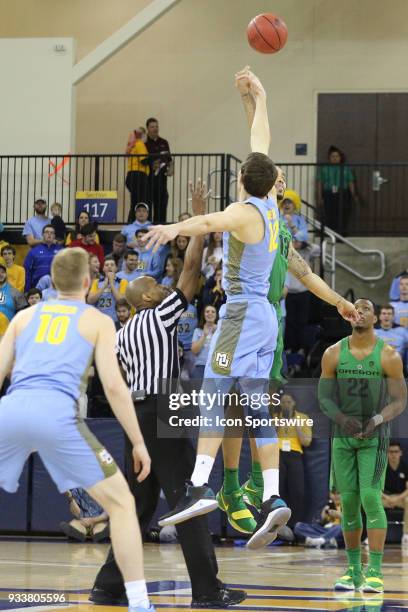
<point x="223" y="360"/>
<point x="105" y="457"/>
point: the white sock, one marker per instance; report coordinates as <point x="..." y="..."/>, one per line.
<point x="271" y="483"/>
<point x="136" y="592"/>
<point x="202" y="470"/>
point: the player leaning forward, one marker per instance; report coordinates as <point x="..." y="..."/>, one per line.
<point x="52" y="346"/>
<point x="361" y="389"/>
<point x="242" y="348"/>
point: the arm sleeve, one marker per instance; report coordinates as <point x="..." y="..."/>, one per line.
<point x="328" y="399"/>
<point x="27" y="229"/>
<point x="394" y="289"/>
<point x="171" y="308"/>
<point x="198" y="332"/>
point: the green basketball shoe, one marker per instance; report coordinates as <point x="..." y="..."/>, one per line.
<point x="373" y="581"/>
<point x="252" y="494"/>
<point x="350" y="581"/>
<point x="238" y="514"/>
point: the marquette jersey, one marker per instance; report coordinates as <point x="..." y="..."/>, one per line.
<point x="106" y="302"/>
<point x="51" y="354"/>
<point x="186" y="326"/>
<point x="279" y="270"/>
<point x="361" y="384"/>
<point x="246" y="267"/>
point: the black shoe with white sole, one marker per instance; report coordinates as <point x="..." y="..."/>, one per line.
<point x="194" y="502"/>
<point x="274" y="514"/>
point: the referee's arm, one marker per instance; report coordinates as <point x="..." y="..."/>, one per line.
<point x="193" y="258"/>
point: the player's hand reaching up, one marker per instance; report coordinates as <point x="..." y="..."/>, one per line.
<point x="141" y="461"/>
<point x="348" y="311"/>
<point x="199" y="195"/>
<point x="256" y="86"/>
<point x="242" y="82"/>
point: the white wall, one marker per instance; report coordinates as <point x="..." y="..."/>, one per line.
<point x="36" y="107"/>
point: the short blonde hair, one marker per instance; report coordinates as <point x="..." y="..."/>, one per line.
<point x="69" y="268"/>
<point x="57" y="205"/>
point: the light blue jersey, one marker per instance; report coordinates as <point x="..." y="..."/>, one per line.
<point x="186" y="326"/>
<point x="400" y="313"/>
<point x="397" y="337"/>
<point x="39" y="412"/>
<point x="50" y="352"/>
<point x="246" y="267"/>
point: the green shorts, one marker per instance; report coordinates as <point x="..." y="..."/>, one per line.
<point x="275" y="375"/>
<point x="358" y="464"/>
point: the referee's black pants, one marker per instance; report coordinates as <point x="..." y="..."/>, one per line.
<point x="292" y="484"/>
<point x="172" y="463"/>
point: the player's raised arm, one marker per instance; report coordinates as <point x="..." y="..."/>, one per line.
<point x="260" y="133"/>
<point x="302" y="271"/>
<point x="243" y="85"/>
<point x="118" y="394"/>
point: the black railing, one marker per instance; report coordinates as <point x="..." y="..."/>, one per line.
<point x="379" y="208"/>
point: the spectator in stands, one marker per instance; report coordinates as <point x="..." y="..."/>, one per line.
<point x="394" y="335"/>
<point x="15" y="273"/>
<point x="179" y="246"/>
<point x="90" y="521"/>
<point x="82" y="220"/>
<point x="149" y="263"/>
<point x="395" y="287"/>
<point x="57" y="223"/>
<point x="292" y="439"/>
<point x="39" y="259"/>
<point x="89" y="244"/>
<point x="173" y="269"/>
<point x="395" y="494"/>
<point x="123" y="313"/>
<point x="141" y="222"/>
<point x="161" y="166"/>
<point x="94" y="266"/>
<point x="401" y="306"/>
<point x="325" y="531"/>
<point x="33" y="227"/>
<point x="183" y="216"/>
<point x="213" y="291"/>
<point x="44" y="282"/>
<point x="33" y="296"/>
<point x="118" y="250"/>
<point x="297" y="303"/>
<point x="137" y="181"/>
<point x="11" y="300"/>
<point x="50" y="293"/>
<point x="201" y="340"/>
<point x="335" y="188"/>
<point x="290" y="210"/>
<point x="130" y="269"/>
<point x="212" y="254"/>
<point x="104" y="293"/>
<point x="185" y="331"/>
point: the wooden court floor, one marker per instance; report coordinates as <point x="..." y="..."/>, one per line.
<point x="278" y="578"/>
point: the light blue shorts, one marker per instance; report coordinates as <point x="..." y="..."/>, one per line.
<point x="47" y="422"/>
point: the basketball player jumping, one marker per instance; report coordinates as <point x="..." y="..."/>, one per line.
<point x="241" y="350"/>
<point x="48" y="348"/>
<point x="361" y="389"/>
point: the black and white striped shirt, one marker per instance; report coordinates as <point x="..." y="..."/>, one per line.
<point x="147" y="345"/>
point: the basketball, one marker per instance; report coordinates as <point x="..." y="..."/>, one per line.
<point x="267" y="33"/>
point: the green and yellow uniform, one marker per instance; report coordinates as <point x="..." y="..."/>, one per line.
<point x="276" y="285"/>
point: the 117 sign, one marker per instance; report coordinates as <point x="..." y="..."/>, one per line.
<point x="101" y="206"/>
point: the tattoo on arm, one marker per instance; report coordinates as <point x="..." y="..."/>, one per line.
<point x="297" y="265"/>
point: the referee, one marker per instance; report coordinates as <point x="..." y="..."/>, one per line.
<point x="147" y="349"/>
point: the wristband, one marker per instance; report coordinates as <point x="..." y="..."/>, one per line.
<point x="378" y="419"/>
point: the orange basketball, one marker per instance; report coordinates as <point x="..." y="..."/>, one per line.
<point x="267" y="33"/>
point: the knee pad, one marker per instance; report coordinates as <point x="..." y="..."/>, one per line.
<point x="372" y="504"/>
<point x="350" y="503"/>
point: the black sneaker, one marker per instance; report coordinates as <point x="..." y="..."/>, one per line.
<point x="100" y="597"/>
<point x="274" y="514"/>
<point x="222" y="598"/>
<point x="194" y="502"/>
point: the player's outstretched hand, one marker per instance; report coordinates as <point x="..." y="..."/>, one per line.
<point x="348" y="311"/>
<point x="242" y="82"/>
<point x="199" y="195"/>
<point x="141" y="461"/>
<point x="159" y="235"/>
<point x="256" y="86"/>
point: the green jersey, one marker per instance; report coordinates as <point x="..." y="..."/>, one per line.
<point x="361" y="385"/>
<point x="280" y="265"/>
